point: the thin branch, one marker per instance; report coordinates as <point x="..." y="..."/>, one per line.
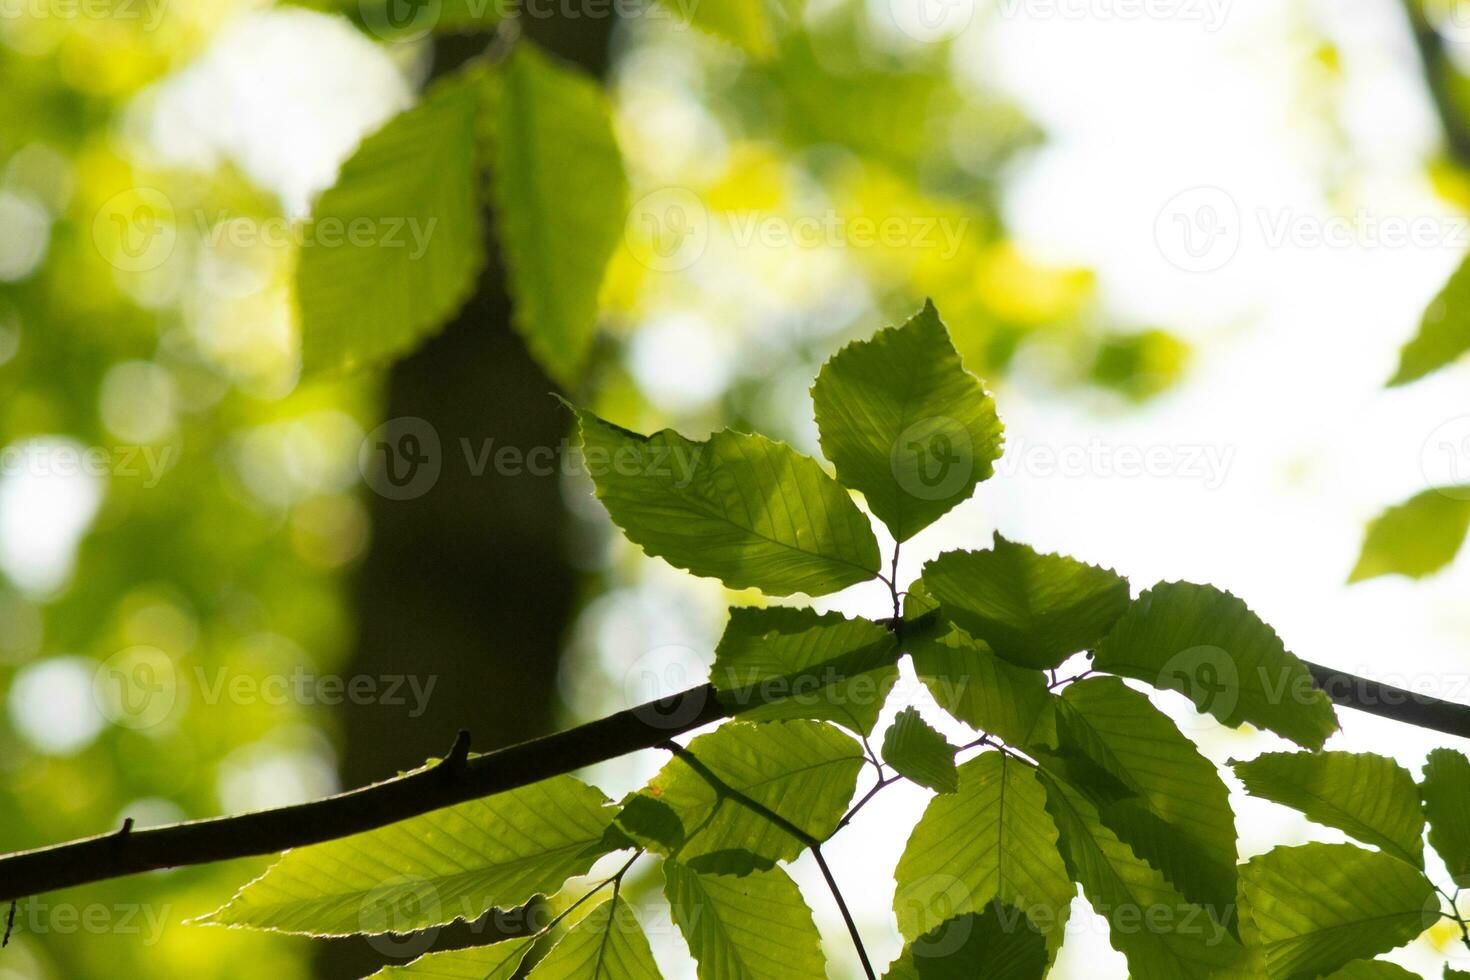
<point x="879" y="785"/>
<point x="113" y="855"/>
<point x="852" y="929"/>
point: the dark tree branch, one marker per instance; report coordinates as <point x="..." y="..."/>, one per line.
<point x="114" y="854"/>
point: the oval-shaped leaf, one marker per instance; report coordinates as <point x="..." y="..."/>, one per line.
<point x="1444" y="331"/>
<point x="1318" y="907"/>
<point x="1158" y="930"/>
<point x="919" y="753"/>
<point x="739" y="508"/>
<point x="1366" y="796"/>
<point x="561" y="198"/>
<point x="992" y="840"/>
<point x="1033" y="609"/>
<point x="454" y="863"/>
<point x="1177" y="813"/>
<point x="904" y="423"/>
<point x="396" y="242"/>
<point x="1416" y="538"/>
<point x="1209" y="646"/>
<point x="498" y="961"/>
<point x="1446" y="795"/>
<point x="753" y="928"/>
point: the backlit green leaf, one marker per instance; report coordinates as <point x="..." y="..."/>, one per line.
<point x="499" y="961"/>
<point x="1318" y="907"/>
<point x="396" y="243"/>
<point x="992" y="840"/>
<point x="1369" y="797"/>
<point x="1208" y="645"/>
<point x="804" y="771"/>
<point x="1446" y="795"/>
<point x="1001" y="944"/>
<point x="753" y="928"/>
<point x="1418" y="537"/>
<point x="1444" y="331"/>
<point x="919" y="753"/>
<point x="606" y="945"/>
<point x="459" y="862"/>
<point x="739" y="508"/>
<point x="751" y="25"/>
<point x="830" y="668"/>
<point x="560" y="201"/>
<point x="971" y="682"/>
<point x="1161" y="933"/>
<point x="904" y="423"/>
<point x="1177" y="813"/>
<point x="1033" y="609"/>
<point x="1373" y="970"/>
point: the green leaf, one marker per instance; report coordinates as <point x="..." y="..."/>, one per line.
<point x="1416" y="538"/>
<point x="560" y="196"/>
<point x="608" y="943"/>
<point x="971" y="682"/>
<point x="1444" y="331"/>
<point x="1450" y="974"/>
<point x="803" y="771"/>
<point x="1317" y="907"/>
<point x="1177" y="813"/>
<point x="1366" y="796"/>
<point x="1001" y="944"/>
<point x="395" y="243"/>
<point x="993" y="840"/>
<point x="1445" y="791"/>
<point x="1158" y="930"/>
<point x="739" y="508"/>
<point x="1034" y="610"/>
<point x="752" y="928"/>
<point x="919" y="753"/>
<point x="454" y="863"/>
<point x="1208" y="645"/>
<point x="904" y="423"/>
<point x="832" y="668"/>
<point x="499" y="961"/>
<point x="1373" y="970"/>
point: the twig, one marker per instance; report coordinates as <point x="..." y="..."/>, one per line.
<point x="9" y="924"/>
<point x="852" y="929"/>
<point x="879" y="785"/>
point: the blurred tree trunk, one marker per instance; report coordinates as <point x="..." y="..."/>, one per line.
<point x="467" y="586"/>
